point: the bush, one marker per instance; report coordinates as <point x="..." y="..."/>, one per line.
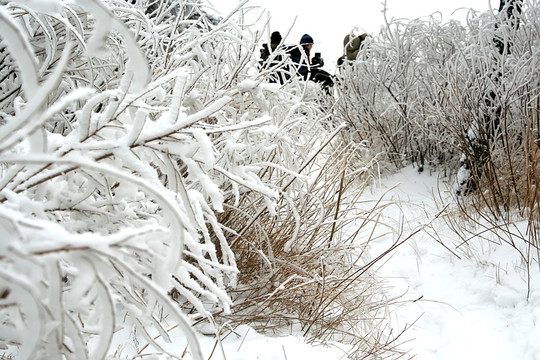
<point x="113" y="170"/>
<point x="456" y="98"/>
<point x="143" y="157"/>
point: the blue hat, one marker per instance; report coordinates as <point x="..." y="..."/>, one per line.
<point x="306" y="39"/>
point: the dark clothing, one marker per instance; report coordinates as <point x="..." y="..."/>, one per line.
<point x="322" y="77"/>
<point x="268" y="62"/>
<point x="300" y="56"/>
<point x="302" y="63"/>
<point x="311" y="69"/>
<point x="275" y="59"/>
<point x="306" y="39"/>
<point x="275" y="38"/>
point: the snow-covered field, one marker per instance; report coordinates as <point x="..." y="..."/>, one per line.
<point x="100" y="221"/>
<point x="472" y="307"/>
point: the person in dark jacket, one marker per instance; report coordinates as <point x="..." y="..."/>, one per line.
<point x="302" y="55"/>
<point x="308" y="68"/>
<point x="275" y="41"/>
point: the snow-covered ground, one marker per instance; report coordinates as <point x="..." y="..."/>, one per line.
<point x="471" y="307"/>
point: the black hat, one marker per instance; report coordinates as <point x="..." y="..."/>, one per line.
<point x="275" y="38"/>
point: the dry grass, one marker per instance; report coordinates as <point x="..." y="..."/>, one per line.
<point x="307" y="268"/>
<point x="507" y="193"/>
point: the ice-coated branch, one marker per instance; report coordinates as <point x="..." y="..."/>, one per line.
<point x="150" y="141"/>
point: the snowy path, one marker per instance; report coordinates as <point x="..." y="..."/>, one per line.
<point x="468" y="308"/>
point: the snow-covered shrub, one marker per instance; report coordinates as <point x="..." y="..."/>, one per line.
<point x="423" y="91"/>
<point x="388" y="95"/>
<point x="462" y="97"/>
<point x="148" y="170"/>
<point x="491" y="87"/>
<point x="124" y="129"/>
<point x="427" y="92"/>
<point x="495" y="92"/>
<point x="496" y="96"/>
<point x="308" y="268"/>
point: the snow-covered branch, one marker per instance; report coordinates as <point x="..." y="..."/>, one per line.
<point x="126" y="128"/>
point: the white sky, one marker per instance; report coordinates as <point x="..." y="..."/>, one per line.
<point x="328" y="21"/>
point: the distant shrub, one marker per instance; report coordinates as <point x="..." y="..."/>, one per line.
<point x="455" y="97"/>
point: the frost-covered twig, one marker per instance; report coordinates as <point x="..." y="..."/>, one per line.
<point x="118" y="208"/>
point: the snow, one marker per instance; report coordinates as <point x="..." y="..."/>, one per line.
<point x="471" y="307"/>
<point x="458" y="300"/>
<point x="246" y="344"/>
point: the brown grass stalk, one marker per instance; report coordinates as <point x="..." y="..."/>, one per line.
<point x="306" y="267"/>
